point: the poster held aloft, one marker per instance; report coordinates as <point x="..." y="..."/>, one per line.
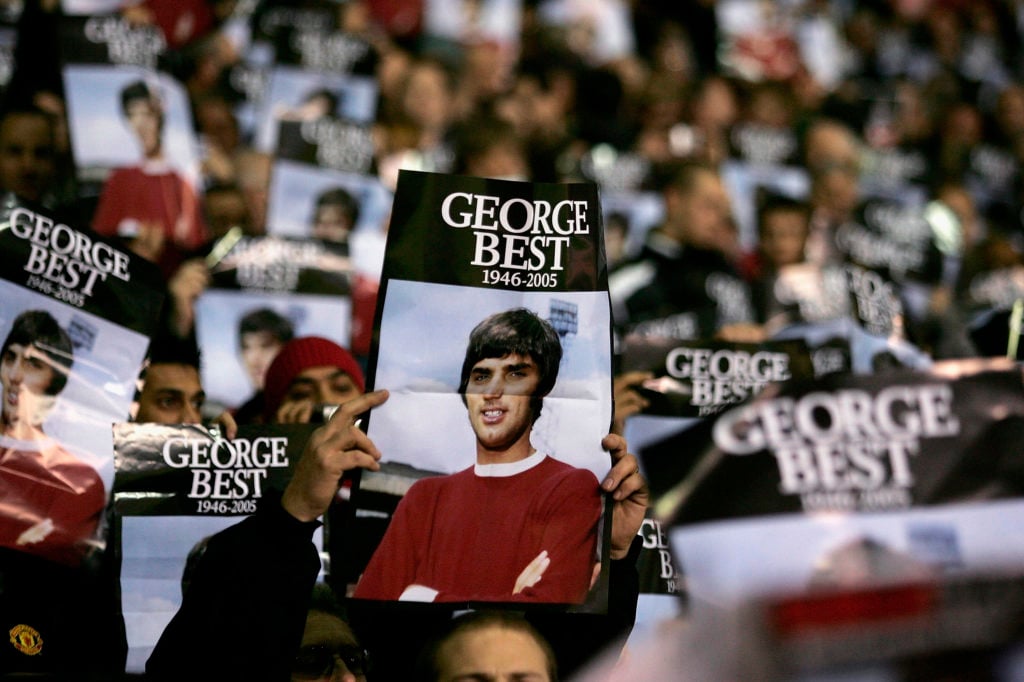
<point x="517" y="271"/>
<point x="175" y="486"/>
<point x="76" y="314"/>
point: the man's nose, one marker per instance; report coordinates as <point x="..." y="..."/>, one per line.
<point x="494" y="388"/>
<point x="191" y="414"/>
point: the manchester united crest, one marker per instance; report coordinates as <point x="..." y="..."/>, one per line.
<point x="26" y="639"/>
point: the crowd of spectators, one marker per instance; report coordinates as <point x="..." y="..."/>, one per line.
<point x="759" y="130"/>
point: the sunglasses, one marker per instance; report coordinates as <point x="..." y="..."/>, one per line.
<point x="319" y="660"/>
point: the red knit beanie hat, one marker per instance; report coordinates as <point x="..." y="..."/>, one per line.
<point x="300" y="354"/>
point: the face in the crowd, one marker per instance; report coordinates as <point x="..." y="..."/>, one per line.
<point x="498" y="399"/>
<point x="26" y="375"/>
<point x="492" y="654"/>
<point x="27" y="164"/>
<point x="171" y="394"/>
<point x="706" y="211"/>
<point x="145" y="120"/>
<point x="783" y="237"/>
<point x="258" y="351"/>
<point x="329" y="651"/>
<point x="332" y="223"/>
<point x="326" y="385"/>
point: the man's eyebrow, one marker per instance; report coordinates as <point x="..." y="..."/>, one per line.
<point x="516" y="366"/>
<point x="300" y="381"/>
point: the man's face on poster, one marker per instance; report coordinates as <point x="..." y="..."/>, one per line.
<point x="498" y="399"/>
<point x="258" y="350"/>
<point x="145" y="121"/>
<point x="26" y="375"/>
<point x="332" y="224"/>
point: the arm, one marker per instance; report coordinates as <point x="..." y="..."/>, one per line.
<point x="244" y="612"/>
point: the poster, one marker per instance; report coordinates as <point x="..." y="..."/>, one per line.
<point x="848" y="481"/>
<point x="175" y="486"/>
<point x="76" y="314"/>
<point x="264" y="292"/>
<point x="514" y="265"/>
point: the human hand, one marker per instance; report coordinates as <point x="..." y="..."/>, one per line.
<point x="334" y="448"/>
<point x="533" y="572"/>
<point x="185" y="285"/>
<point x="228" y="425"/>
<point x="628" y="400"/>
<point x="629" y="493"/>
<point x="294" y="412"/>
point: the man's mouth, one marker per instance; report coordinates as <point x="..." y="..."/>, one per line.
<point x="492" y="415"/>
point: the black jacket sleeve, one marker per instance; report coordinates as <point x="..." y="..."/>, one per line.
<point x="244" y="611"/>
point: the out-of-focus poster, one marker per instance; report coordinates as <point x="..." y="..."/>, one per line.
<point x="848" y="481"/>
<point x="495" y="344"/>
<point x="76" y="314"/>
<point x="266" y="291"/>
<point x="176" y="485"/>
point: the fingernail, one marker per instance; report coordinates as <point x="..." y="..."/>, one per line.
<point x="608" y="484"/>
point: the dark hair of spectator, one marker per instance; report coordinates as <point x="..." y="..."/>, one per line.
<point x="775" y="203"/>
<point x="171" y="350"/>
<point x="522" y="332"/>
<point x="428" y="664"/>
<point x="39" y="329"/>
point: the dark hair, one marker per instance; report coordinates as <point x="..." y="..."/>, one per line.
<point x="333" y="100"/>
<point x="266" y="320"/>
<point x="38" y="328"/>
<point x="518" y="331"/>
<point x="343" y="199"/>
<point x="683" y="176"/>
<point x="428" y="663"/>
<point x="167" y="349"/>
<point x="135" y="91"/>
<point x="776" y="203"/>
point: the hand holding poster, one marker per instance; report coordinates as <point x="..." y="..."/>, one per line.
<point x="507" y="506"/>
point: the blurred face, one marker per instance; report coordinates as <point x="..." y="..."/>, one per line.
<point x="225" y="210"/>
<point x="145" y="121"/>
<point x="492" y="654"/>
<point x="329" y="651"/>
<point x="326" y="385"/>
<point x="258" y="351"/>
<point x="705" y="211"/>
<point x="332" y="224"/>
<point x="171" y="394"/>
<point x="26" y="155"/>
<point x="498" y="399"/>
<point x="783" y="236"/>
<point x="25" y="374"/>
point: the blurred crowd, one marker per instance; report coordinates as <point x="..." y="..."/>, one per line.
<point x="738" y="146"/>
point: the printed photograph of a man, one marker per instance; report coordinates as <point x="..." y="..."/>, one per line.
<point x="518" y="525"/>
<point x="50" y="500"/>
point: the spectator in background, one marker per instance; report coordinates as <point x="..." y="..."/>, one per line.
<point x="225" y="208"/>
<point x="150" y="205"/>
<point x="27" y="154"/>
<point x="308" y="373"/>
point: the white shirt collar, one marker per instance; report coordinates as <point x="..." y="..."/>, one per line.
<point x="503" y="469"/>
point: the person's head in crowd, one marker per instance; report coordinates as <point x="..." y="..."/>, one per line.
<point x="427" y="100"/>
<point x="782" y="227"/>
<point x="28" y="163"/>
<point x="511" y="363"/>
<point x="697" y="207"/>
<point x="216" y="122"/>
<point x="487" y="645"/>
<point x="961" y="131"/>
<point x="770" y="105"/>
<point x="308" y="372"/>
<point x="143" y="110"/>
<point x="254" y="181"/>
<point x="832" y="157"/>
<point x="715" y="105"/>
<point x="616" y="236"/>
<point x="1010" y="111"/>
<point x="330" y="649"/>
<point x="172" y="391"/>
<point x="35" y="361"/>
<point x="261" y="335"/>
<point x="491" y="148"/>
<point x="335" y="214"/>
<point x="224" y="207"/>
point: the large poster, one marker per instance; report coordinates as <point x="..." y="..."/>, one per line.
<point x="494" y="342"/>
<point x="846" y="481"/>
<point x="76" y="314"/>
<point x="175" y="487"/>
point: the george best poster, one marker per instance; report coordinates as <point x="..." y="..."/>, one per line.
<point x="495" y="344"/>
<point x="175" y="486"/>
<point x="76" y="314"/>
<point x="848" y="480"/>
